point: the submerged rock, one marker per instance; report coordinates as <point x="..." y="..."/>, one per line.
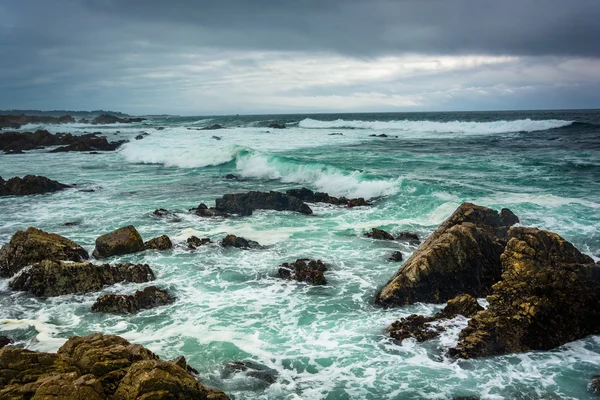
<point x="231" y="177"/>
<point x="251" y="369"/>
<point x="203" y="211"/>
<point x="148" y="298"/>
<point x="96" y="367"/>
<point x="34" y="245"/>
<point x="56" y="278"/>
<point x="304" y="270"/>
<point x="29" y="184"/>
<point x="139" y="137"/>
<point x="125" y="240"/>
<point x="379" y="234"/>
<point x="396" y="256"/>
<point x="411" y="238"/>
<point x="549" y="295"/>
<point x="212" y="127"/>
<point x="461" y="256"/>
<point x="239" y="242"/>
<point x="5" y="341"/>
<point x="194" y="242"/>
<point x="245" y="203"/>
<point x="276" y="126"/>
<point x="159" y="243"/>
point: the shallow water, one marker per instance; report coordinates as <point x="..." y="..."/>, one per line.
<point x="324" y="342"/>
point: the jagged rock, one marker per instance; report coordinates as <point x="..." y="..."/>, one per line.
<point x="90" y="143"/>
<point x="195" y="242"/>
<point x="159" y="243"/>
<point x="245" y="203"/>
<point x="203" y="211"/>
<point x="411" y="238"/>
<point x="304" y="270"/>
<point x="182" y="362"/>
<point x="150" y="297"/>
<point x="276" y="126"/>
<point x="239" y="242"/>
<point x="379" y="234"/>
<point x="309" y="196"/>
<point x="421" y="327"/>
<point x="461" y="256"/>
<point x="34" y="245"/>
<point x="106" y="119"/>
<point x="29" y="184"/>
<point x="251" y="369"/>
<point x="508" y="218"/>
<point x="125" y="240"/>
<point x="5" y="341"/>
<point x="396" y="256"/>
<point x="56" y="278"/>
<point x="549" y="295"/>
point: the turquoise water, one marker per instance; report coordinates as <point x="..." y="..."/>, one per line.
<point x="324" y="342"/>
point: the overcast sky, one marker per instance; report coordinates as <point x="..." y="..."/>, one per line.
<point x="280" y="56"/>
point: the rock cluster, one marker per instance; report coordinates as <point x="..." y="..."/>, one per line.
<point x="150" y="297"/>
<point x="239" y="242"/>
<point x="204" y="211"/>
<point x="17" y="142"/>
<point x="29" y="184"/>
<point x="106" y="119"/>
<point x="245" y="203"/>
<point x="97" y="367"/>
<point x="92" y="143"/>
<point x="304" y="270"/>
<point x="16" y="121"/>
<point x="194" y="242"/>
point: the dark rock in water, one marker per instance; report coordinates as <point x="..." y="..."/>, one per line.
<point x="148" y="298"/>
<point x="194" y="242"/>
<point x="216" y="137"/>
<point x="29" y="184"/>
<point x="245" y="203"/>
<point x="16" y="142"/>
<point x="106" y="119"/>
<point x="16" y="121"/>
<point x="90" y="144"/>
<point x="125" y="240"/>
<point x="336" y="134"/>
<point x="411" y="238"/>
<point x="309" y="196"/>
<point x="57" y="278"/>
<point x="166" y="214"/>
<point x="97" y="367"/>
<point x="74" y="223"/>
<point x="87" y="190"/>
<point x="379" y="234"/>
<point x="34" y="245"/>
<point x="466" y="398"/>
<point x="5" y="341"/>
<point x="276" y="126"/>
<point x="358" y="202"/>
<point x="231" y="177"/>
<point x="139" y="137"/>
<point x="159" y="243"/>
<point x="17" y="151"/>
<point x="595" y="385"/>
<point x="304" y="270"/>
<point x="212" y="127"/>
<point x="160" y="128"/>
<point x="252" y="369"/>
<point x="238" y="242"/>
<point x="461" y="256"/>
<point x="382" y="135"/>
<point x="396" y="256"/>
<point x="203" y="211"/>
<point x="549" y="295"/>
<point x="508" y="218"/>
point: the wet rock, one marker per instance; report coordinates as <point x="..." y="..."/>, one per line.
<point x="34" y="245"/>
<point x="29" y="184"/>
<point x="125" y="240"/>
<point x="16" y="121"/>
<point x="160" y="243"/>
<point x="245" y="203"/>
<point x="336" y="134"/>
<point x="396" y="256"/>
<point x="379" y="234"/>
<point x="358" y="202"/>
<point x="214" y="137"/>
<point x="182" y="363"/>
<point x="411" y="238"/>
<point x="148" y="298"/>
<point x="72" y="223"/>
<point x="5" y="341"/>
<point x="170" y="216"/>
<point x="549" y="295"/>
<point x="139" y="137"/>
<point x="56" y="278"/>
<point x="239" y="242"/>
<point x="304" y="270"/>
<point x="508" y="218"/>
<point x="91" y="144"/>
<point x="194" y="242"/>
<point x="212" y="127"/>
<point x="231" y="177"/>
<point x="17" y="151"/>
<point x="251" y="369"/>
<point x="595" y="385"/>
<point x="276" y="126"/>
<point x="160" y="128"/>
<point x="461" y="256"/>
<point x="463" y="304"/>
<point x="309" y="196"/>
<point x="106" y="119"/>
<point x="204" y="211"/>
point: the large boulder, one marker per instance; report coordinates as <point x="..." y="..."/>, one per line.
<point x="29" y="184"/>
<point x="96" y="367"/>
<point x="246" y="203"/>
<point x="125" y="240"/>
<point x="461" y="256"/>
<point x="34" y="245"/>
<point x="150" y="297"/>
<point x="57" y="278"/>
<point x="159" y="243"/>
<point x="304" y="270"/>
<point x="549" y="295"/>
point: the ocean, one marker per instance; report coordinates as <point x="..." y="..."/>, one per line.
<point x="326" y="342"/>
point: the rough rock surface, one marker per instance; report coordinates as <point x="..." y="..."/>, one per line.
<point x="96" y="367"/>
<point x="304" y="270"/>
<point x="194" y="242"/>
<point x="245" y="203"/>
<point x="549" y="295"/>
<point x="16" y="142"/>
<point x="379" y="234"/>
<point x="57" y="278"/>
<point x="309" y="196"/>
<point x="238" y="242"/>
<point x="5" y="341"/>
<point x="150" y="297"/>
<point x="203" y="211"/>
<point x="29" y="184"/>
<point x="595" y="385"/>
<point x="421" y="327"/>
<point x="159" y="243"/>
<point x="461" y="256"/>
<point x="34" y="245"/>
<point x="125" y="240"/>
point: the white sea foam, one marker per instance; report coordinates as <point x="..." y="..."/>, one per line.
<point x="478" y="128"/>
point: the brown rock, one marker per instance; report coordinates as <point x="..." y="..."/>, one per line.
<point x="34" y="245"/>
<point x="195" y="242"/>
<point x="238" y="242"/>
<point x="411" y="238"/>
<point x="121" y="241"/>
<point x="160" y="243"/>
<point x="203" y="211"/>
<point x="379" y="234"/>
<point x="150" y="297"/>
<point x="28" y="185"/>
<point x="304" y="270"/>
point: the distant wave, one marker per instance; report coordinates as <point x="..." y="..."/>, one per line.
<point x="521" y="125"/>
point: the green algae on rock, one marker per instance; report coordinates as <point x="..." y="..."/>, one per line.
<point x="159" y="243"/>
